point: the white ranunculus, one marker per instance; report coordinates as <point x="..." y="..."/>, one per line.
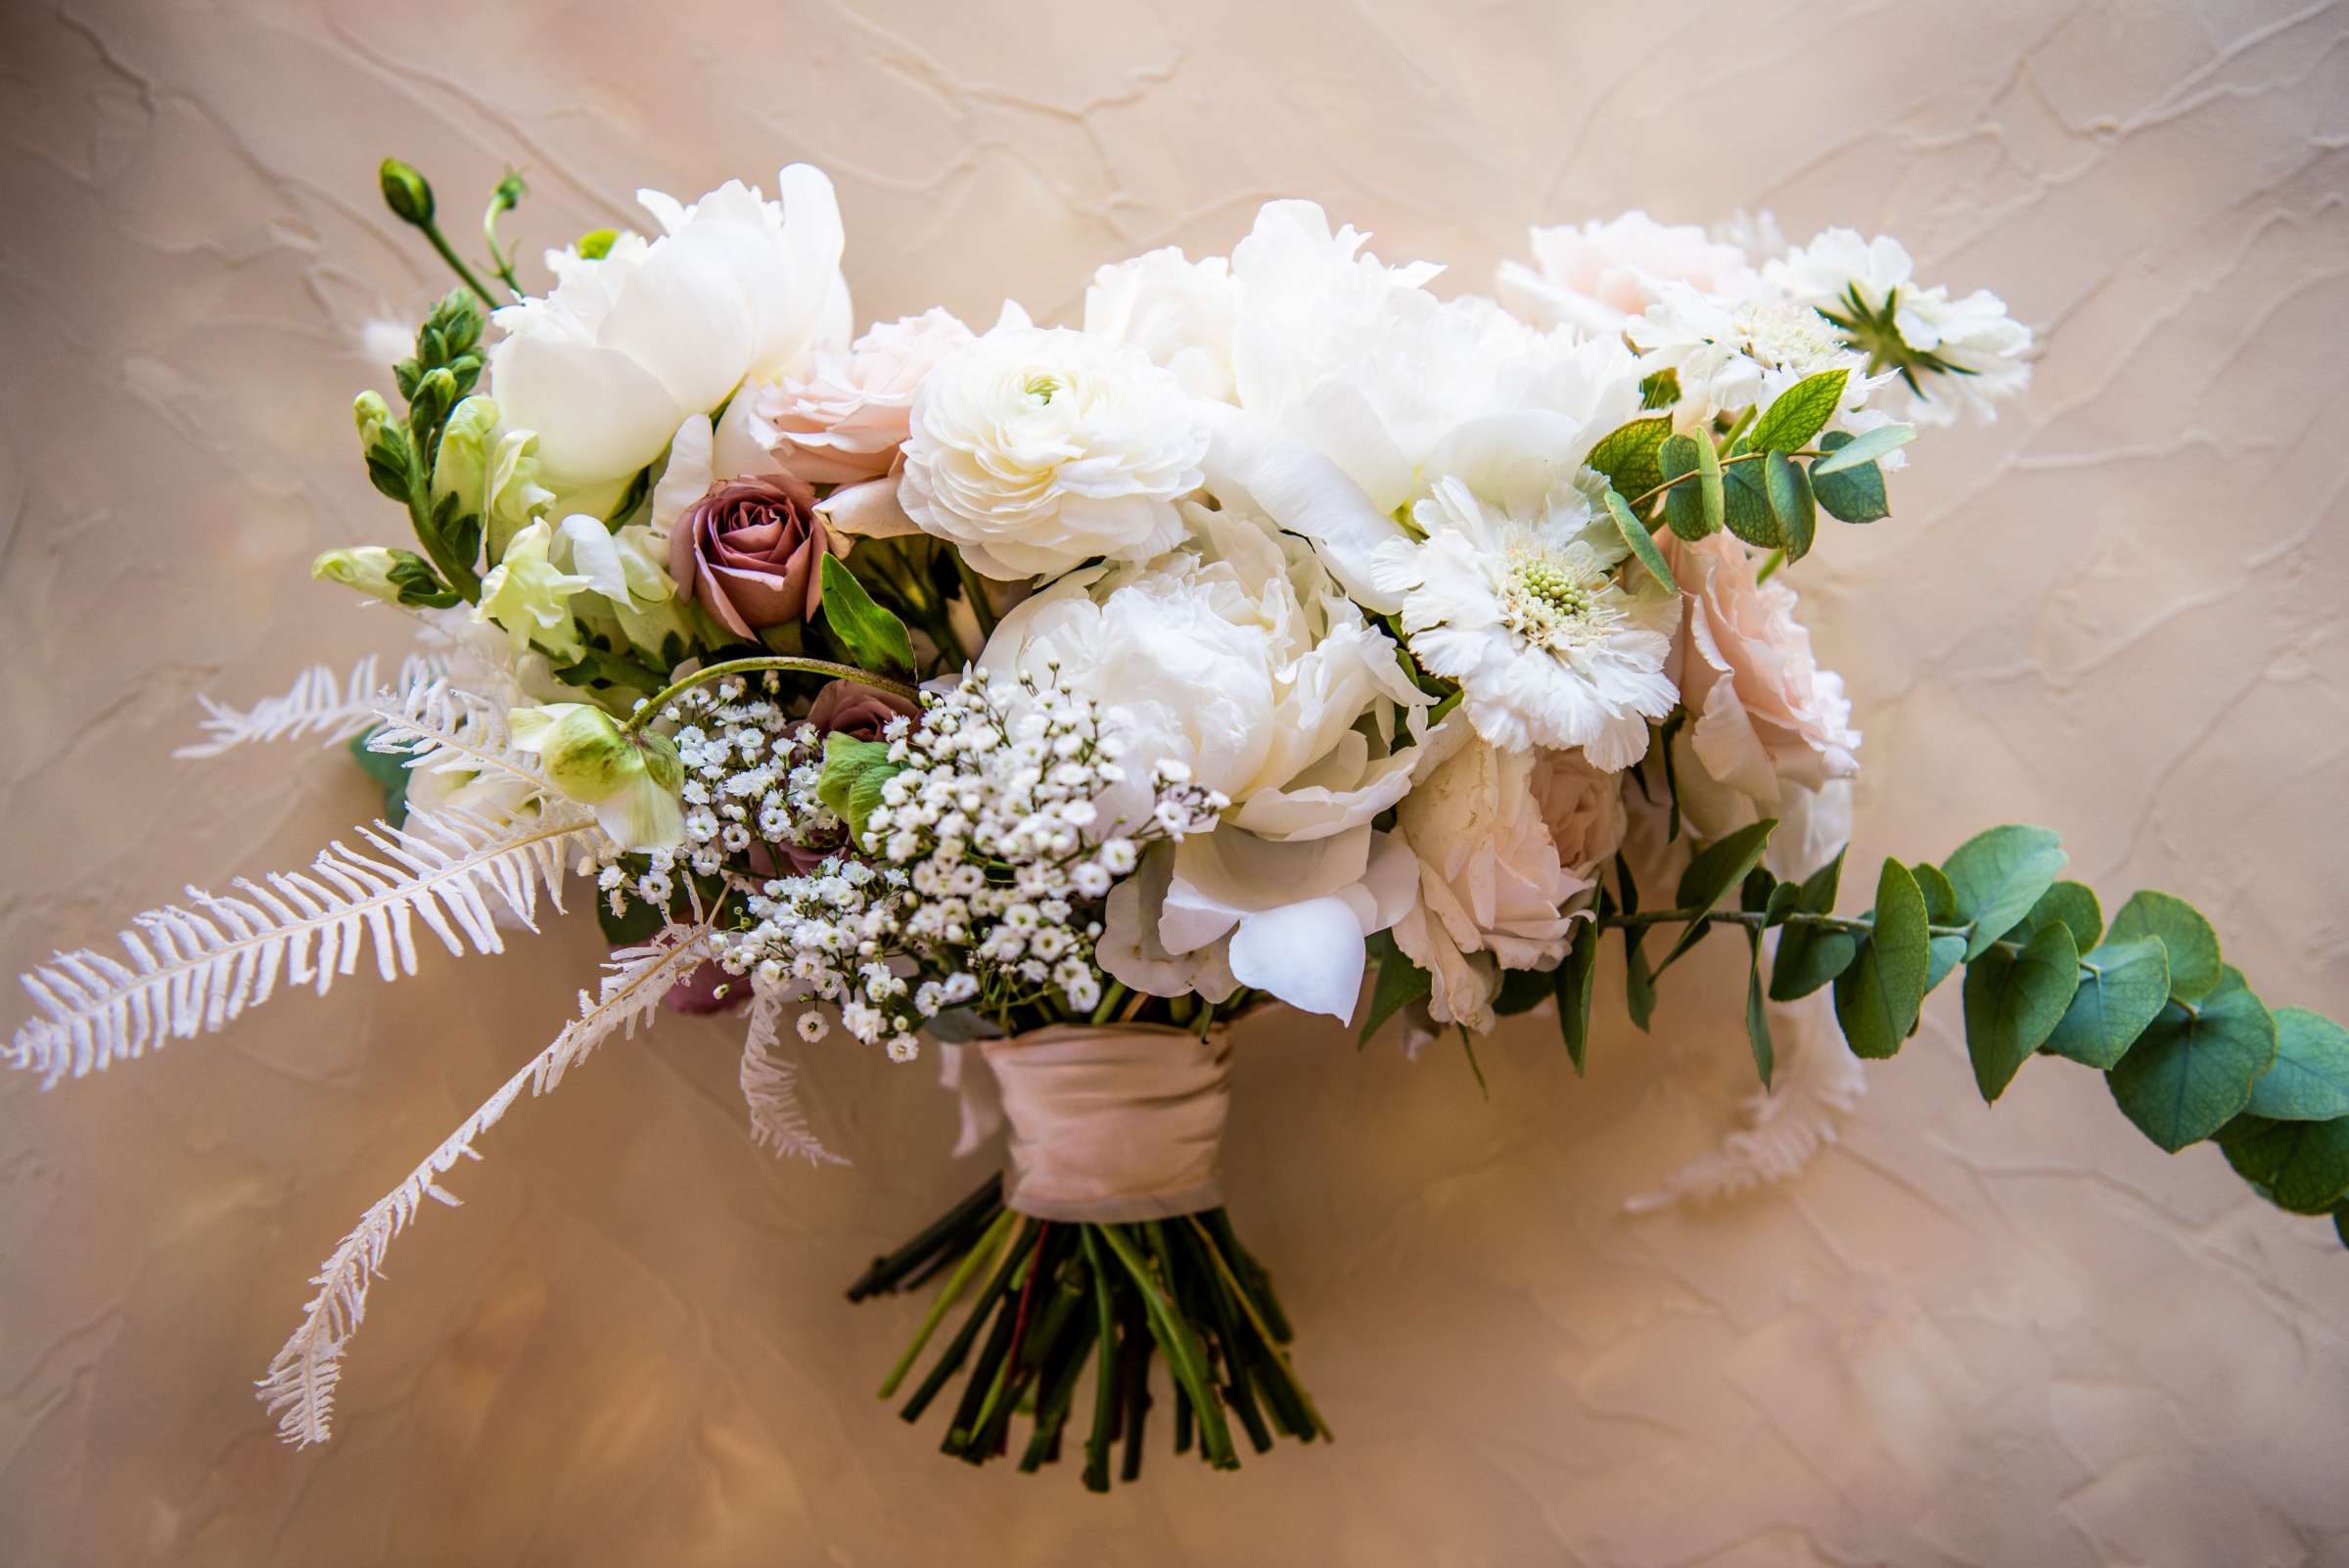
<point x="604" y="367"/>
<point x="1179" y="312"/>
<point x="1035" y="450"/>
<point x="1506" y="844"/>
<point x="1599" y="277"/>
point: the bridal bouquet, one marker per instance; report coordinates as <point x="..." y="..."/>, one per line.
<point x="1052" y="698"/>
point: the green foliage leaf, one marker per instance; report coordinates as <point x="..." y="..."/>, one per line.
<point x="1745" y="507"/>
<point x="1757" y="1016"/>
<point x="2014" y="1001"/>
<point x="1521" y="991"/>
<point x="1999" y="875"/>
<point x="2124" y="986"/>
<point x="2303" y="1167"/>
<point x="1800" y="412"/>
<point x="1661" y="390"/>
<point x="2072" y="903"/>
<point x="1855" y="494"/>
<point x="1808" y="956"/>
<point x="852" y="778"/>
<point x="2196" y="965"/>
<point x="1942" y="955"/>
<point x="1627" y="455"/>
<point x="1708" y="484"/>
<point x="1639" y="982"/>
<point x="2191" y="1072"/>
<point x="2310" y="1080"/>
<point x="1876" y="998"/>
<point x="633" y="928"/>
<point x="1573" y="984"/>
<point x="1865" y="447"/>
<point x="1684" y="507"/>
<point x="1399" y="982"/>
<point x="1941" y="899"/>
<point x="1792" y="506"/>
<point x="1717" y="868"/>
<point x="1642" y="543"/>
<point x="875" y="639"/>
<point x="389" y="770"/>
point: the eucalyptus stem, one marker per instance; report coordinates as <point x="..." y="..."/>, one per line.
<point x="1683" y="478"/>
<point x="743" y="667"/>
<point x="1770" y="565"/>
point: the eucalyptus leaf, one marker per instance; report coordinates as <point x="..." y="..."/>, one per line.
<point x="2310" y="1080"/>
<point x="1942" y="955"/>
<point x="1865" y="447"/>
<point x="2303" y="1167"/>
<point x="2191" y="1072"/>
<point x="1997" y="877"/>
<point x="2123" y="987"/>
<point x="1799" y="413"/>
<point x="1876" y="998"/>
<point x="2014" y="1002"/>
<point x="1941" y="899"/>
<point x="2072" y="903"/>
<point x="1683" y="508"/>
<point x="1717" y="868"/>
<point x="1708" y="482"/>
<point x="875" y="639"/>
<point x="1627" y="455"/>
<point x="1642" y="542"/>
<point x="1855" y="494"/>
<point x="1573" y="982"/>
<point x="1791" y="504"/>
<point x="1809" y="956"/>
<point x="1746" y="508"/>
<point x="2196" y="965"/>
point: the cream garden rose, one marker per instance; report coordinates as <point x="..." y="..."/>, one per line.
<point x="1034" y="449"/>
<point x="844" y="421"/>
<point x="1598" y="277"/>
<point x="1506" y="844"/>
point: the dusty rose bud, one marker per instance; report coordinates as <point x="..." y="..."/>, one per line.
<point x="851" y="707"/>
<point x="749" y="552"/>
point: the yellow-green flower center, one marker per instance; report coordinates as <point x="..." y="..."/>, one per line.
<point x="1042" y="385"/>
<point x="1559" y="590"/>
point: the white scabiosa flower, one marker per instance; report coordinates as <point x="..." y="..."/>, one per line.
<point x="1727" y="355"/>
<point x="1034" y="449"/>
<point x="1948" y="351"/>
<point x="1548" y="647"/>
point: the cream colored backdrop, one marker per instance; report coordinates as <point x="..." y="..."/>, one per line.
<point x="1961" y="1336"/>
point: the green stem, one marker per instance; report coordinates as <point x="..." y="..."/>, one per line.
<point x="499" y="261"/>
<point x="439" y="243"/>
<point x="1273" y="1341"/>
<point x="742" y="667"/>
<point x="1683" y="478"/>
<point x="975" y="591"/>
<point x="1770" y="563"/>
<point x="979" y="1254"/>
<point x="1752" y="412"/>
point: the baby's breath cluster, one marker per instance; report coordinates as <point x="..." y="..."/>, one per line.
<point x="985" y="865"/>
<point x="751" y="776"/>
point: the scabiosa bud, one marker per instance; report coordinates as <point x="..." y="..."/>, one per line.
<point x="407" y="193"/>
<point x="631" y="779"/>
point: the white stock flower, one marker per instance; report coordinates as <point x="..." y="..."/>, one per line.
<point x="1548" y="647"/>
<point x="1506" y="843"/>
<point x="1947" y="350"/>
<point x="605" y="366"/>
<point x="1601" y="276"/>
<point x="1763" y="714"/>
<point x="1179" y="312"/>
<point x="1034" y="449"/>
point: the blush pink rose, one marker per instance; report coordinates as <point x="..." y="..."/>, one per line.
<point x="1762" y="712"/>
<point x="843" y="422"/>
<point x="1599" y="277"/>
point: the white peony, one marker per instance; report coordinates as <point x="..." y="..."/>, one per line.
<point x="1520" y="608"/>
<point x="1950" y="352"/>
<point x="1507" y="843"/>
<point x="1599" y="277"/>
<point x="1035" y="450"/>
<point x="626" y="345"/>
<point x="1237" y="659"/>
<point x="1179" y="312"/>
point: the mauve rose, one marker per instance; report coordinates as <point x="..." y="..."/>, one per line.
<point x="851" y="707"/>
<point x="750" y="551"/>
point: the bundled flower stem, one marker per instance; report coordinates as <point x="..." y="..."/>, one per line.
<point x="1057" y="1297"/>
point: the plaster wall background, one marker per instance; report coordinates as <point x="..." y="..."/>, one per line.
<point x="1963" y="1336"/>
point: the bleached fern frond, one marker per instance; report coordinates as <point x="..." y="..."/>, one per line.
<point x="770" y="1086"/>
<point x="1819" y="1079"/>
<point x="299" y="1388"/>
<point x="317" y="705"/>
<point x="185" y="970"/>
<point x="440" y="727"/>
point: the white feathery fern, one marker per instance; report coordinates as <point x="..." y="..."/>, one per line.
<point x="1818" y="1080"/>
<point x="299" y="1388"/>
<point x="317" y="705"/>
<point x="770" y="1086"/>
<point x="440" y="727"/>
<point x="185" y="970"/>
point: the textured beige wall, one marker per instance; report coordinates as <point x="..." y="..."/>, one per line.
<point x="1963" y="1336"/>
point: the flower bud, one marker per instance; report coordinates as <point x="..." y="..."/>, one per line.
<point x="507" y="194"/>
<point x="434" y="393"/>
<point x="407" y="193"/>
<point x="462" y="465"/>
<point x="596" y="244"/>
<point x="368" y="569"/>
<point x="371" y="414"/>
<point x="632" y="781"/>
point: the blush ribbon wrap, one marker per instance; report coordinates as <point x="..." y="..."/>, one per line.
<point x="1114" y="1123"/>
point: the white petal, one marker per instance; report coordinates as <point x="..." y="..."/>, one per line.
<point x="869" y="510"/>
<point x="1309" y="954"/>
<point x="599" y="415"/>
<point x="686" y="478"/>
<point x="1302" y="491"/>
